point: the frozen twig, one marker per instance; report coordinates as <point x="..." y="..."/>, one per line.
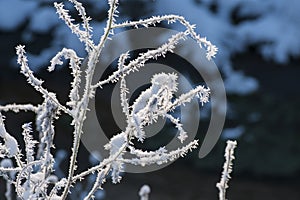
<point x="227" y="169"/>
<point x="17" y="108"/>
<point x="210" y="48"/>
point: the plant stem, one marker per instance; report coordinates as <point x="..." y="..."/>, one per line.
<point x="83" y="105"/>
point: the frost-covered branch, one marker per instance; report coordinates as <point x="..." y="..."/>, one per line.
<point x="75" y="62"/>
<point x="123" y="88"/>
<point x="82" y="105"/>
<point x="227" y="169"/>
<point x="32" y="80"/>
<point x="140" y="61"/>
<point x="10" y="147"/>
<point x="98" y="183"/>
<point x="17" y="108"/>
<point x="86" y="25"/>
<point x="83" y="35"/>
<point x="160" y="156"/>
<point x="210" y="48"/>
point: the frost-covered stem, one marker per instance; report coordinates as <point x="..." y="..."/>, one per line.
<point x="57" y="187"/>
<point x="7" y="170"/>
<point x="88" y="93"/>
<point x="18" y="160"/>
<point x="99" y="181"/>
<point x="20" y="175"/>
<point x="227" y="169"/>
<point x="72" y="160"/>
<point x="141" y="60"/>
<point x="29" y="142"/>
<point x="160" y="156"/>
<point x="75" y="62"/>
<point x="201" y="92"/>
<point x="17" y="107"/>
<point x="182" y="134"/>
<point x="86" y="25"/>
<point x="32" y="80"/>
<point x="101" y="165"/>
<point x="64" y="15"/>
<point x="211" y="49"/>
<point x="123" y="88"/>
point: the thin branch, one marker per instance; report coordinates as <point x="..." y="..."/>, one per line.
<point x="139" y="62"/>
<point x="210" y="48"/>
<point x="18" y="107"/>
<point x="88" y="93"/>
<point x="227" y="169"/>
<point x="35" y="82"/>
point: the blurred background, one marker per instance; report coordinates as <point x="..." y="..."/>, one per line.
<point x="259" y="59"/>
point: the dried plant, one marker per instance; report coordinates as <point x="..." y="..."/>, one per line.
<point x="33" y="176"/>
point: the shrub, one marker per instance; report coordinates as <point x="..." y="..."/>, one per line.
<point x="33" y="174"/>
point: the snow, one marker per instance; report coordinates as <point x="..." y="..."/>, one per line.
<point x="277" y="28"/>
<point x="218" y="30"/>
<point x="116" y="142"/>
<point x="238" y="83"/>
<point x="43" y="20"/>
<point x="11" y="144"/>
<point x="15" y="12"/>
<point x="273" y="16"/>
